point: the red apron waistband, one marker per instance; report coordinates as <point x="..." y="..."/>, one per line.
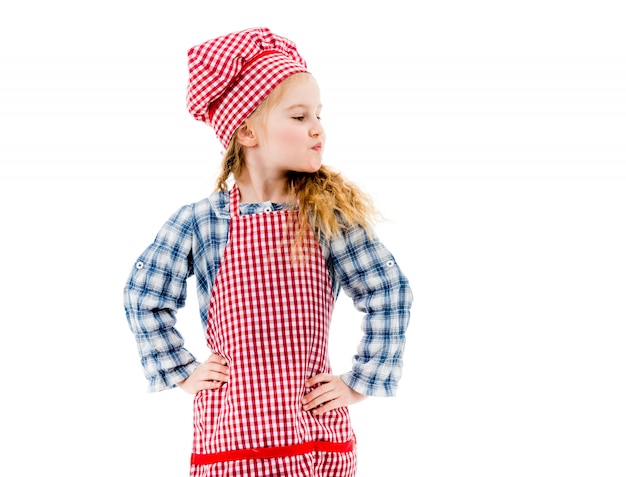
<point x="273" y="452"/>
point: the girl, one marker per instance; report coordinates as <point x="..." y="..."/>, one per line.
<point x="271" y="249"/>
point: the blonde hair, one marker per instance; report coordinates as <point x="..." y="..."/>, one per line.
<point x="327" y="203"/>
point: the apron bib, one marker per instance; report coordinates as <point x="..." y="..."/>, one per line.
<point x="269" y="317"/>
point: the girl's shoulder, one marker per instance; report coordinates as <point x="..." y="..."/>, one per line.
<point x="214" y="207"/>
<point x="211" y="209"/>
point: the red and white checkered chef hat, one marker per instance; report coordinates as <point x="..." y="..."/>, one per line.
<point x="231" y="75"/>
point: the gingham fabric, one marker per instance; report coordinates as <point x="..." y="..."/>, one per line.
<point x="269" y="316"/>
<point x="231" y="75"/>
<point x="192" y="242"/>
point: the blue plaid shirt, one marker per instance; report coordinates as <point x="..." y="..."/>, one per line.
<point x="192" y="242"/>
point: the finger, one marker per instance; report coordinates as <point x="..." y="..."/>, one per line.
<point x="209" y="366"/>
<point x="318" y="379"/>
<point x="215" y="369"/>
<point x="216" y="358"/>
<point x="327" y="406"/>
<point x="320" y="390"/>
<point x="216" y="363"/>
<point x="212" y="384"/>
<point x="212" y="375"/>
<point x="206" y="386"/>
<point x="311" y="402"/>
<point x="316" y="394"/>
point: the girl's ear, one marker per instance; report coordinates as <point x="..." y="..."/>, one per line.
<point x="246" y="135"/>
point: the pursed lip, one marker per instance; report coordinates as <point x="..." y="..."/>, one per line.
<point x="318" y="147"/>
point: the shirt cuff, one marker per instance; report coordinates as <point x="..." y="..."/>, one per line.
<point x="168" y="380"/>
<point x="367" y="388"/>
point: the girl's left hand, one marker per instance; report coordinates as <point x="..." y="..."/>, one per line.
<point x="330" y="392"/>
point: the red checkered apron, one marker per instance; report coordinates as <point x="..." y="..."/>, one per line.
<point x="269" y="316"/>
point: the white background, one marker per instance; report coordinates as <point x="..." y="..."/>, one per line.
<point x="492" y="136"/>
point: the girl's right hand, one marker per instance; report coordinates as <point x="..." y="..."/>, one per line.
<point x="211" y="374"/>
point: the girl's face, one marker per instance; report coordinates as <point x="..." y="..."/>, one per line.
<point x="292" y="138"/>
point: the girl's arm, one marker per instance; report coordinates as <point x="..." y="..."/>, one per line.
<point x="369" y="274"/>
<point x="155" y="290"/>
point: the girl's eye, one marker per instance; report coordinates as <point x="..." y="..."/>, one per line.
<point x="301" y="118"/>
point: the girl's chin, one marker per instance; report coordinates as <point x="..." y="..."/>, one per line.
<point x="315" y="166"/>
<point x="311" y="168"/>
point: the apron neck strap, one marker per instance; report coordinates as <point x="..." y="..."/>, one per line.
<point x="234" y="201"/>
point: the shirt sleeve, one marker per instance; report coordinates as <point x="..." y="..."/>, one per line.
<point x="154" y="291"/>
<point x="370" y="276"/>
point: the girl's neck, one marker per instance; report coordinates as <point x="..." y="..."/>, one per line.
<point x="253" y="190"/>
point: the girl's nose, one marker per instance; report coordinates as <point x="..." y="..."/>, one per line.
<point x="317" y="129"/>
